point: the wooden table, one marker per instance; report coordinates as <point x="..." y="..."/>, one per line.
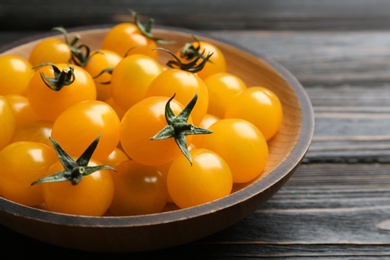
<point x="337" y="204"/>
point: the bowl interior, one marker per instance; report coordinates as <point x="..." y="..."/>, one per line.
<point x="286" y="149"/>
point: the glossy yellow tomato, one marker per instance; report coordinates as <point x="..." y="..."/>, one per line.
<point x="131" y="78"/>
<point x="115" y="157"/>
<point x="217" y="61"/>
<point x="222" y="87"/>
<point x="7" y="122"/>
<point x="24" y="114"/>
<point x="92" y="196"/>
<point x="140" y="123"/>
<point x="260" y="106"/>
<point x="21" y="163"/>
<point x="37" y="131"/>
<point x="119" y="110"/>
<point x="207" y="179"/>
<point x="15" y="74"/>
<point x="78" y="125"/>
<point x="241" y="144"/>
<point x="48" y="103"/>
<point x="100" y="60"/>
<point x="124" y="37"/>
<point x="139" y="189"/>
<point x="50" y="50"/>
<point x="185" y="85"/>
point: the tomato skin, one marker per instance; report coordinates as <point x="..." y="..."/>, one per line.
<point x="222" y="87"/>
<point x="115" y="157"/>
<point x="139" y="189"/>
<point x="15" y="74"/>
<point x="16" y="177"/>
<point x="98" y="61"/>
<point x="24" y="114"/>
<point x="126" y="38"/>
<point x="92" y="196"/>
<point x="47" y="103"/>
<point x="78" y="125"/>
<point x="131" y="78"/>
<point x="207" y="179"/>
<point x="241" y="144"/>
<point x="50" y="50"/>
<point x="206" y="122"/>
<point x="141" y="122"/>
<point x="185" y="85"/>
<point x="38" y="131"/>
<point x="7" y="122"/>
<point x="259" y="106"/>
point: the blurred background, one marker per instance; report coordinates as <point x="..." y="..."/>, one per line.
<point x="38" y="15"/>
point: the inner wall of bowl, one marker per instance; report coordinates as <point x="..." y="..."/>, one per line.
<point x="253" y="70"/>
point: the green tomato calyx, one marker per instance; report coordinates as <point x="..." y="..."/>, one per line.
<point x="190" y="52"/>
<point x="61" y="78"/>
<point x="80" y="54"/>
<point x="74" y="170"/>
<point x="147" y="29"/>
<point x="178" y="128"/>
<point x="191" y="66"/>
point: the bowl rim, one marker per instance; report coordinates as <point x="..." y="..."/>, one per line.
<point x="290" y="163"/>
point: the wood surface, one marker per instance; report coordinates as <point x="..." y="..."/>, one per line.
<point x="336" y="205"/>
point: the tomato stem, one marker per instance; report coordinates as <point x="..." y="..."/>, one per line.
<point x="74" y="170"/>
<point x="178" y="128"/>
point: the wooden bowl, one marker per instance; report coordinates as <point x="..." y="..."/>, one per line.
<point x="179" y="226"/>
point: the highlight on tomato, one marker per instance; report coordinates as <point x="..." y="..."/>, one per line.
<point x="81" y="186"/>
<point x="207" y="179"/>
<point x="16" y="72"/>
<point x="21" y="163"/>
<point x="260" y="106"/>
<point x="54" y="87"/>
<point x="242" y="146"/>
<point x="138" y="189"/>
<point x="37" y="131"/>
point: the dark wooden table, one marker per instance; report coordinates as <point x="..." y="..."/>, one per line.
<point x="337" y="204"/>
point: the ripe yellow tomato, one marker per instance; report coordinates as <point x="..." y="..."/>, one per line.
<point x="24" y="114"/>
<point x="100" y="60"/>
<point x="207" y="179"/>
<point x="140" y="123"/>
<point x="222" y="87"/>
<point x="37" y="131"/>
<point x="15" y="74"/>
<point x="131" y="78"/>
<point x="185" y="85"/>
<point x="241" y="144"/>
<point x="138" y="189"/>
<point x="48" y="103"/>
<point x="7" y="122"/>
<point x="50" y="50"/>
<point x="21" y="163"/>
<point x="124" y="37"/>
<point x="78" y="125"/>
<point x="92" y="196"/>
<point x="260" y="106"/>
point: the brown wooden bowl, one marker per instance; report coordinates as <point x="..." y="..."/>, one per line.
<point x="179" y="226"/>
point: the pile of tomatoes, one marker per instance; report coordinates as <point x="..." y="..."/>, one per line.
<point x="92" y="117"/>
